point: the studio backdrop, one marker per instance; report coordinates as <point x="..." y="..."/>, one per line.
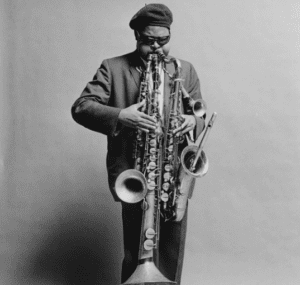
<point x="59" y="223"/>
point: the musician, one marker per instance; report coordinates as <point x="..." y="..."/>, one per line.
<point x="108" y="105"/>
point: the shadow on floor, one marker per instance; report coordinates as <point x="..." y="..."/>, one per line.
<point x="79" y="245"/>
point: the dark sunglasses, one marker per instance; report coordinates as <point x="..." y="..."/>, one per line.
<point x="151" y="40"/>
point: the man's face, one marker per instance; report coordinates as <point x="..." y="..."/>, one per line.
<point x="151" y="39"/>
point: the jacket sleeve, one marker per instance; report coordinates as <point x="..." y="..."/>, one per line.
<point x="193" y="88"/>
<point x="92" y="109"/>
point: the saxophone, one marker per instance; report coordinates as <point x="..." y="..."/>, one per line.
<point x="178" y="182"/>
<point x="158" y="178"/>
<point x="143" y="182"/>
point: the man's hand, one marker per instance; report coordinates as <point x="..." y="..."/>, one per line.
<point x="133" y="118"/>
<point x="188" y="124"/>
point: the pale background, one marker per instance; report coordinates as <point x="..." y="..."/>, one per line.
<point x="59" y="224"/>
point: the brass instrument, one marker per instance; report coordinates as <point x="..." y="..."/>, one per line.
<point x="147" y="154"/>
<point x="131" y="184"/>
<point x="194" y="164"/>
<point x="178" y="184"/>
<point x="198" y="107"/>
<point x="193" y="158"/>
<point x="160" y="177"/>
<point x="170" y="162"/>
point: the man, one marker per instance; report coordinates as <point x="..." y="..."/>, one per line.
<point x="108" y="105"/>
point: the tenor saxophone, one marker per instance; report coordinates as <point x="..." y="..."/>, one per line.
<point x="178" y="183"/>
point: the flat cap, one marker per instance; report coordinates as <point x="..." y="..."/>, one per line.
<point x="152" y="15"/>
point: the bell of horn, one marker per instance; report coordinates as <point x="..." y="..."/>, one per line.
<point x="199" y="107"/>
<point x="147" y="273"/>
<point x="187" y="159"/>
<point x="131" y="186"/>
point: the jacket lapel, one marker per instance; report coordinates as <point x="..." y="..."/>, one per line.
<point x="136" y="67"/>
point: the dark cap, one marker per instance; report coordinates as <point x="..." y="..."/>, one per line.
<point x="152" y="15"/>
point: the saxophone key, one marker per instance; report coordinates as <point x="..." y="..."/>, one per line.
<point x="152" y="175"/>
<point x="166" y="186"/>
<point x="152" y="157"/>
<point x="151" y="165"/>
<point x="150" y="233"/>
<point x="168" y="167"/>
<point x="167" y="176"/>
<point x="164" y="197"/>
<point x="151" y="185"/>
<point x="153" y="143"/>
<point x="170" y="148"/>
<point x="148" y="244"/>
<point x="170" y="157"/>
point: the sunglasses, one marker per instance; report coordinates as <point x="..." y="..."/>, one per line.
<point x="151" y="40"/>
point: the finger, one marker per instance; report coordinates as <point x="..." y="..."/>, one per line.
<point x="182" y="118"/>
<point x="179" y="134"/>
<point x="148" y="118"/>
<point x="146" y="125"/>
<point x="188" y="129"/>
<point x="144" y="115"/>
<point x="143" y="130"/>
<point x="180" y="127"/>
<point x="184" y="124"/>
<point x="185" y="129"/>
<point x="176" y="130"/>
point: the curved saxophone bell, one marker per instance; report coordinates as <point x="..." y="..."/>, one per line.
<point x="188" y="156"/>
<point x="198" y="106"/>
<point x="131" y="186"/>
<point x="193" y="158"/>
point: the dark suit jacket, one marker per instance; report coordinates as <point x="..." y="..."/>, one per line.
<point x="116" y="86"/>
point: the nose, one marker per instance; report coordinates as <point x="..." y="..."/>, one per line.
<point x="155" y="45"/>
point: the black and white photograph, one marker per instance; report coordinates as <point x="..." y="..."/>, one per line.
<point x="150" y="142"/>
